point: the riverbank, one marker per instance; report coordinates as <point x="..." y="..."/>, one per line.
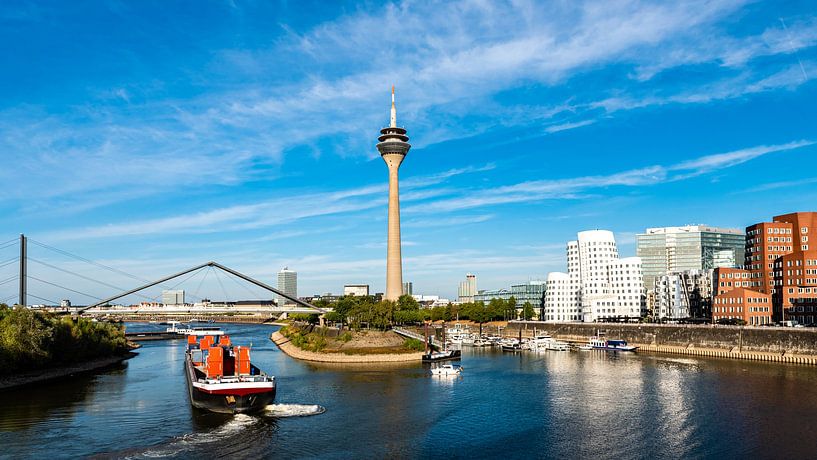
<point x="293" y="351"/>
<point x="43" y="375"/>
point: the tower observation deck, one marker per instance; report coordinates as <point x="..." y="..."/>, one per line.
<point x="393" y="147"/>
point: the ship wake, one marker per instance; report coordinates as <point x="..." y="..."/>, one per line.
<point x="293" y="410"/>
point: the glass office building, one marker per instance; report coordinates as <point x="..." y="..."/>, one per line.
<point x="691" y="247"/>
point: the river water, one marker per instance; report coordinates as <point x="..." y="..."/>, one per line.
<point x="547" y="405"/>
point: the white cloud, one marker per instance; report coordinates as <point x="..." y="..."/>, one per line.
<point x="567" y="126"/>
<point x="531" y="191"/>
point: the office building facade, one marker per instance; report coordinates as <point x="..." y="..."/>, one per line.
<point x="288" y="284"/>
<point x="173" y="297"/>
<point x="359" y="290"/>
<point x="531" y="291"/>
<point x="691" y="247"/>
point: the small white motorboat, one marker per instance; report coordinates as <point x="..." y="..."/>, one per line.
<point x="446" y="369"/>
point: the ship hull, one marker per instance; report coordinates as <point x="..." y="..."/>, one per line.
<point x="226" y="401"/>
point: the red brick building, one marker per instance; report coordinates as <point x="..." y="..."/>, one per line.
<point x="729" y="278"/>
<point x="796" y="274"/>
<point x="773" y="250"/>
<point x="744" y="304"/>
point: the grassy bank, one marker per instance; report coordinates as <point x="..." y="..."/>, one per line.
<point x="32" y="340"/>
<point x="322" y="340"/>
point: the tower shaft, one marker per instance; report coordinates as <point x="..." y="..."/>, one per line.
<point x="394" y="258"/>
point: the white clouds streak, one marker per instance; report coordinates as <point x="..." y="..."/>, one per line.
<point x="531" y="191"/>
<point x="290" y="209"/>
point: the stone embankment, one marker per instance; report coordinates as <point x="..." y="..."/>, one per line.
<point x="290" y="349"/>
<point x="788" y="345"/>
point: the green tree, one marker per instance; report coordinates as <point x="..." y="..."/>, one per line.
<point x="497" y="309"/>
<point x="343" y="306"/>
<point x="407" y="303"/>
<point x="510" y="306"/>
<point x="527" y="311"/>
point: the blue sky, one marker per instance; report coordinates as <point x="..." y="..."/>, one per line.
<point x="152" y="136"/>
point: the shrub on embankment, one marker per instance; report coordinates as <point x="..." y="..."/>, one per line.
<point x="32" y="340"/>
<point x="309" y="337"/>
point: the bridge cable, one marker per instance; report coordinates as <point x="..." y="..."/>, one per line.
<point x="7" y="245"/>
<point x="232" y="278"/>
<point x="83" y="277"/>
<point x="83" y="259"/>
<point x="8" y="298"/>
<point x="63" y="287"/>
<point x="41" y="298"/>
<point x="109" y="268"/>
<point x="186" y="279"/>
<point x="156" y="299"/>
<point x="9" y="261"/>
<point x="207" y="272"/>
<point x="13" y="240"/>
<point x="9" y="280"/>
<point x="223" y="291"/>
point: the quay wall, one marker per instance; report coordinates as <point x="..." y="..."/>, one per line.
<point x="796" y="345"/>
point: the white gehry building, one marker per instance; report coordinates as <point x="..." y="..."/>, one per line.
<point x="560" y="299"/>
<point x="598" y="284"/>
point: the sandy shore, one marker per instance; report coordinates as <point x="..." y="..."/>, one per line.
<point x="62" y="371"/>
<point x="295" y="352"/>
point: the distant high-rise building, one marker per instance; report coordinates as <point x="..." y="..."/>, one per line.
<point x="408" y="288"/>
<point x="468" y="288"/>
<point x="173" y="297"/>
<point x="288" y="284"/>
<point x="358" y="290"/>
<point x="598" y="284"/>
<point x="691" y="247"/>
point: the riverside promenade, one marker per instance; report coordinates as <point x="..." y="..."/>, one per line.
<point x="290" y="349"/>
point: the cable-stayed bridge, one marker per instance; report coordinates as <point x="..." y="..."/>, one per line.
<point x="15" y="272"/>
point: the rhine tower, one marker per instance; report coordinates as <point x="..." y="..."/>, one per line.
<point x="393" y="147"/>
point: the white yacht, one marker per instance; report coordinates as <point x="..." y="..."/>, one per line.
<point x="446" y="369"/>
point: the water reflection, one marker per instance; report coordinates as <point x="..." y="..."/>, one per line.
<point x="551" y="404"/>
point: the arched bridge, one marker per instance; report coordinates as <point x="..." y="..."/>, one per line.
<point x="305" y="305"/>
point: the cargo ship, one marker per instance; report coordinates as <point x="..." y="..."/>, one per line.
<point x="221" y="378"/>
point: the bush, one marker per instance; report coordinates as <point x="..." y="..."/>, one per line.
<point x="345" y="337"/>
<point x="414" y="344"/>
<point x="30" y="340"/>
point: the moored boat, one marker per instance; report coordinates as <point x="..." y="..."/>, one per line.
<point x="221" y="378"/>
<point x="444" y="355"/>
<point x="511" y="345"/>
<point x="611" y="344"/>
<point x="558" y="346"/>
<point x="446" y="369"/>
